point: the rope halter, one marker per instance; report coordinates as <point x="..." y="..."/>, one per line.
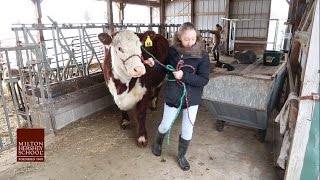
<point x="133" y="55"/>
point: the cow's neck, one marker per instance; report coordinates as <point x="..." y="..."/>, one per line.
<point x="118" y="74"/>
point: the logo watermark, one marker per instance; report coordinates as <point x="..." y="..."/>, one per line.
<point x="30" y="145"/>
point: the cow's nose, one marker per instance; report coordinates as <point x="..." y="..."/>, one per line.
<point x="139" y="70"/>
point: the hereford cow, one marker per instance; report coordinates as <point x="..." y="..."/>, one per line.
<point x="132" y="84"/>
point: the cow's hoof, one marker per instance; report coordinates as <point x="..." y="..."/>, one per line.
<point x="125" y="123"/>
<point x="142" y="141"/>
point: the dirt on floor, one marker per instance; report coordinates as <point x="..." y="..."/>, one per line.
<point x="96" y="148"/>
<point x="13" y="122"/>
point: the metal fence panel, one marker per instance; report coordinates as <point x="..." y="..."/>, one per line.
<point x="25" y="92"/>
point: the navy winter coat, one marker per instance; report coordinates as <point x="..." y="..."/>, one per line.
<point x="194" y="81"/>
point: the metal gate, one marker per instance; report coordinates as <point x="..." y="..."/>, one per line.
<point x="36" y="74"/>
<point x="25" y="92"/>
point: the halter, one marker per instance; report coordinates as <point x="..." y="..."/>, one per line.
<point x="139" y="56"/>
<point x="124" y="62"/>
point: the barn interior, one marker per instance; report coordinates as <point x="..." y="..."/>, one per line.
<point x="259" y="120"/>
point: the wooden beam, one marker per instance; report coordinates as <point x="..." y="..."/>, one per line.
<point x="178" y="0"/>
<point x="210" y="13"/>
<point x="248" y="14"/>
<point x="192" y="12"/>
<point x="37" y="4"/>
<point x="306" y="107"/>
<point x="140" y="2"/>
<point x="151" y="14"/>
<point x="162" y="17"/>
<point x="226" y="25"/>
<point x="121" y="12"/>
<point x="242" y="0"/>
<point x="197" y="14"/>
<point x="296" y="46"/>
<point x="178" y="14"/>
<point x="299" y="14"/>
<point x="110" y="15"/>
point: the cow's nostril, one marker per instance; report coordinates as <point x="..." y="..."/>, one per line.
<point x="139" y="70"/>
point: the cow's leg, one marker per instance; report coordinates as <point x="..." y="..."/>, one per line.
<point x="125" y="120"/>
<point x="141" y="113"/>
<point x="154" y="100"/>
<point x="154" y="103"/>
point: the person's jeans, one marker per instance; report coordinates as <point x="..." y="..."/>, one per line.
<point x="169" y="114"/>
<point x="215" y="51"/>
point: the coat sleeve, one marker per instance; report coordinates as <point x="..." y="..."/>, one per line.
<point x="159" y="67"/>
<point x="201" y="77"/>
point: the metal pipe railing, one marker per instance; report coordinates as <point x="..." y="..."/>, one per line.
<point x="74" y="49"/>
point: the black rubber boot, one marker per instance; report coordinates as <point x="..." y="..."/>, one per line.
<point x="215" y="56"/>
<point x="182" y="150"/>
<point x="158" y="145"/>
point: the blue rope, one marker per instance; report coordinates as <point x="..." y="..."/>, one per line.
<point x="168" y="67"/>
<point x="172" y="69"/>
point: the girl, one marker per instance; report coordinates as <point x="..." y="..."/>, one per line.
<point x="192" y="65"/>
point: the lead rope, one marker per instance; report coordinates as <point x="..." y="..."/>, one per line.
<point x="180" y="65"/>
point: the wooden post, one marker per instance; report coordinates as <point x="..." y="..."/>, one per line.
<point x="121" y="15"/>
<point x="38" y="19"/>
<point x="307" y="109"/>
<point x="110" y="16"/>
<point x="226" y="26"/>
<point x="296" y="46"/>
<point x="299" y="13"/>
<point x="150" y="14"/>
<point x="192" y="13"/>
<point x="162" y="17"/>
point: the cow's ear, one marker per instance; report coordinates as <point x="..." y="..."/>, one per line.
<point x="105" y="38"/>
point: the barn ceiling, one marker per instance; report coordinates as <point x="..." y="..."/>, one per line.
<point x="154" y="3"/>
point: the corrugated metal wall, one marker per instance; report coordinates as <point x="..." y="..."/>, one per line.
<point x="209" y="13"/>
<point x="178" y="12"/>
<point x="251" y="30"/>
<point x="250" y="34"/>
<point x="251" y="9"/>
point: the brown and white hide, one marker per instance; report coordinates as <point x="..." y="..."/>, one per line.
<point x="132" y="84"/>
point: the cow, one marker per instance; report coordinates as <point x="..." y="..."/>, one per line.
<point x="132" y="84"/>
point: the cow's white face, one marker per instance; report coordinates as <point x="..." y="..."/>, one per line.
<point x="125" y="55"/>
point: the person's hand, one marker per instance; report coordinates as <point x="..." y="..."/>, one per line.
<point x="149" y="62"/>
<point x="178" y="74"/>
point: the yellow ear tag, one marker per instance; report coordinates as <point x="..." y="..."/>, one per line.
<point x="148" y="42"/>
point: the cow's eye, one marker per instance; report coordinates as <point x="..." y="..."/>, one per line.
<point x="120" y="49"/>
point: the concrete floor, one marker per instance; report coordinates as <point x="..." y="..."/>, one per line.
<point x="96" y="148"/>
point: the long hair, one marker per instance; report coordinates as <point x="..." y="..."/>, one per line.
<point x="184" y="27"/>
<point x="196" y="50"/>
